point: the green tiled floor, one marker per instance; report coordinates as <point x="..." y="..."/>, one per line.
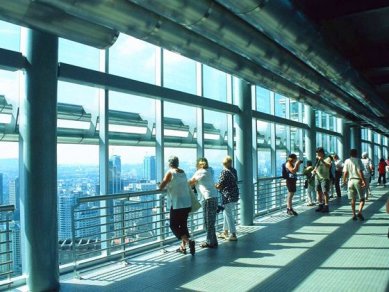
<point x="310" y="252"/>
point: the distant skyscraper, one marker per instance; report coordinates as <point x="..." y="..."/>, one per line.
<point x="149" y="168"/>
<point x="115" y="172"/>
<point x="14" y="197"/>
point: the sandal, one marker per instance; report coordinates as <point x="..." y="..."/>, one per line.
<point x="181" y="249"/>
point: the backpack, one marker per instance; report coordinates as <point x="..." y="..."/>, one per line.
<point x="285" y="173"/>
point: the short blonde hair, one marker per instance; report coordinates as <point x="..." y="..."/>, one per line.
<point x="227" y="161"/>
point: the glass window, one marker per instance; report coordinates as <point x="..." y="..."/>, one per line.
<point x="263" y="134"/>
<point x="280" y="105"/>
<point x="324" y="120"/>
<point x="130" y="120"/>
<point x="78" y="176"/>
<point x="295" y="107"/>
<point x="263" y="100"/>
<point x="133" y="58"/>
<point x="214" y="84"/>
<point x="376" y="138"/>
<point x="296" y="141"/>
<point x="78" y="54"/>
<point x="364" y="134"/>
<point x="281" y="137"/>
<point x="332" y="123"/>
<point x="187" y="159"/>
<point x="264" y="162"/>
<point x="10" y="36"/>
<point x="179" y="72"/>
<point x="281" y="156"/>
<point x="9" y="87"/>
<point x="215" y="139"/>
<point x="365" y="147"/>
<point x="10" y="195"/>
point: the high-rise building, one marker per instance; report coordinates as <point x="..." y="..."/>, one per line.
<point x="14" y="197"/>
<point x="115" y="172"/>
<point x="149" y="168"/>
<point x="16" y="249"/>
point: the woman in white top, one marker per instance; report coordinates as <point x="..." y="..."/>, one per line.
<point x="176" y="183"/>
<point x="205" y="185"/>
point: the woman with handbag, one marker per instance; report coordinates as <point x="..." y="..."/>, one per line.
<point x="228" y="187"/>
<point x="176" y="183"/>
<point x="203" y="180"/>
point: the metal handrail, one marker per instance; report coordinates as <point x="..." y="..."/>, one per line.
<point x="119" y="225"/>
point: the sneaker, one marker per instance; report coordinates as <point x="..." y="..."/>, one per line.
<point x="354" y="217"/>
<point x="232" y="238"/>
<point x="320" y="208"/>
<point x="310" y="204"/>
<point x="360" y="217"/>
<point x="294" y="212"/>
<point x="289" y="212"/>
<point x="325" y="209"/>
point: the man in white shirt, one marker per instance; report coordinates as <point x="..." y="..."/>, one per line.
<point x="353" y="170"/>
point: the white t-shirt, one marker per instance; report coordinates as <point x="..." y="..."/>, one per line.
<point x="352" y="166"/>
<point x="204" y="183"/>
<point x="367" y="165"/>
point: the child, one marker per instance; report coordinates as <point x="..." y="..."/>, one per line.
<point x="310" y="183"/>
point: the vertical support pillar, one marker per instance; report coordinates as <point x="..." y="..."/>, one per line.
<point x="104" y="155"/>
<point x="310" y="134"/>
<point x="242" y="96"/>
<point x="340" y="140"/>
<point x="355" y="135"/>
<point x="38" y="136"/>
<point x="346" y="140"/>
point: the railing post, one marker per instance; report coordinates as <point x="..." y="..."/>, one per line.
<point x="123" y="233"/>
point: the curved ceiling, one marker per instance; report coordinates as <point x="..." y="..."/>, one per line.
<point x="330" y="56"/>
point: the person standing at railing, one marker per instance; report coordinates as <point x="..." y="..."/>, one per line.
<point x="322" y="179"/>
<point x="228" y="187"/>
<point x="205" y="185"/>
<point x="292" y="167"/>
<point x="310" y="184"/>
<point x="353" y="171"/>
<point x="176" y="183"/>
